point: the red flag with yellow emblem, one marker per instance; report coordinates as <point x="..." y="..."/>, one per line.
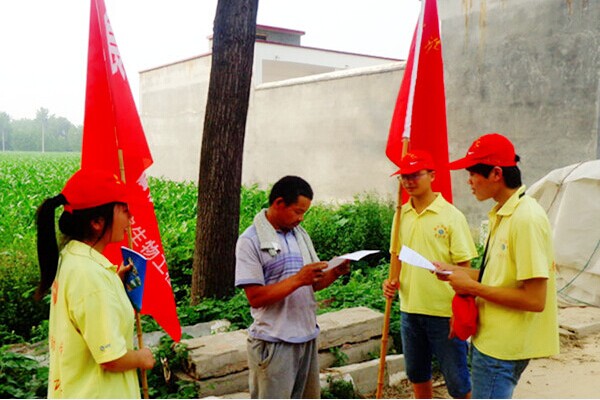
<point x="420" y="112"/>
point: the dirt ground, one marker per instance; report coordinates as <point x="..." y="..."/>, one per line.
<point x="572" y="374"/>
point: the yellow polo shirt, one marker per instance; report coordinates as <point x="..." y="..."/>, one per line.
<point x="91" y="322"/>
<point x="439" y="233"/>
<point x="520" y="248"/>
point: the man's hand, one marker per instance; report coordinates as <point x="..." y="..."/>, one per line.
<point x="441" y="267"/>
<point x="390" y="288"/>
<point x="311" y="273"/>
<point x="342" y="269"/>
<point x="461" y="282"/>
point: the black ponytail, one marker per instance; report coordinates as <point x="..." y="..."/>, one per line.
<point x="47" y="247"/>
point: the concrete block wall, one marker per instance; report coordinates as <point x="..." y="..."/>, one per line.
<point x="529" y="69"/>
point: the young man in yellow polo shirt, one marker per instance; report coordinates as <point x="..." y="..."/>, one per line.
<point x="437" y="230"/>
<point x="516" y="288"/>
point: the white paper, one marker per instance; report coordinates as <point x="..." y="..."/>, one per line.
<point x="410" y="256"/>
<point x="357" y="255"/>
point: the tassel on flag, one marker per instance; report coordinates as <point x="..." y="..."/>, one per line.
<point x="420" y="113"/>
<point x="112" y="127"/>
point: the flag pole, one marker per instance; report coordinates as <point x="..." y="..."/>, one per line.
<point x="394" y="274"/>
<point x="138" y="322"/>
<point x="395" y="264"/>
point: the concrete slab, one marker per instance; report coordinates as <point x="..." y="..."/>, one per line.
<point x="151" y="339"/>
<point x="364" y="375"/>
<point x="238" y="395"/>
<point x="225" y="353"/>
<point x="220" y="386"/>
<point x="351" y="325"/>
<point x="217" y="355"/>
<point x="580" y="321"/>
<point x="219" y="362"/>
<point x="356" y="352"/>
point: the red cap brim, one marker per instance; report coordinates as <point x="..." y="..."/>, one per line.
<point x="462" y="163"/>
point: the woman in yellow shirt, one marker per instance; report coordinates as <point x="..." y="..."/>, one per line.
<point x="91" y="318"/>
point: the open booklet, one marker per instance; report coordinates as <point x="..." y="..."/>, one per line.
<point x="357" y="255"/>
<point x="134" y="278"/>
<point x="411" y="257"/>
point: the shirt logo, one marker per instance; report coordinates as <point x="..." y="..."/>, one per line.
<point x="441" y="231"/>
<point x="104" y="347"/>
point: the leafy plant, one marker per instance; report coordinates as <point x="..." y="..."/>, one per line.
<point x="21" y="377"/>
<point x="339" y="389"/>
<point x="162" y="382"/>
<point x="363" y="224"/>
<point x="341" y="358"/>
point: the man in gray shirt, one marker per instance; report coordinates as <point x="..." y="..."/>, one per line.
<point x="278" y="268"/>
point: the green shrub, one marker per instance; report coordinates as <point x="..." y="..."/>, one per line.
<point x="364" y="224"/>
<point x="21" y="377"/>
<point x="162" y="383"/>
<point x="339" y="389"/>
<point x="252" y="200"/>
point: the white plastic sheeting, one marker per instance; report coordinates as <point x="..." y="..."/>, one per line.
<point x="571" y="197"/>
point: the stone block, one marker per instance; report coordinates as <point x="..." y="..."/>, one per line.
<point x="364" y="375"/>
<point x="350" y="325"/>
<point x="232" y="383"/>
<point x="217" y="355"/>
<point x="580" y="321"/>
<point x="356" y="352"/>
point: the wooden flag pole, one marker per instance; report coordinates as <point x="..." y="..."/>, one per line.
<point x="138" y="322"/>
<point x="394" y="275"/>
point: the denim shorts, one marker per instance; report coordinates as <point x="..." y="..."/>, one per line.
<point x="494" y="378"/>
<point x="424" y="336"/>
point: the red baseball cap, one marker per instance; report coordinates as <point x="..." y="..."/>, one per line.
<point x="490" y="149"/>
<point x="464" y="316"/>
<point x="89" y="188"/>
<point x="415" y="161"/>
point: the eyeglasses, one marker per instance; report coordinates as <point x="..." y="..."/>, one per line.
<point x="413" y="177"/>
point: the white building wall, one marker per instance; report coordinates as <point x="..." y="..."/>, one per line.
<point x="314" y="127"/>
<point x="172" y="105"/>
<point x="317" y="128"/>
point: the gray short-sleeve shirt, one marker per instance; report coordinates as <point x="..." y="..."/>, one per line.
<point x="291" y="320"/>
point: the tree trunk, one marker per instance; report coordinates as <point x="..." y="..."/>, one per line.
<point x="220" y="175"/>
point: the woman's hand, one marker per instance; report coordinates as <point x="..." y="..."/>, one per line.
<point x="124" y="269"/>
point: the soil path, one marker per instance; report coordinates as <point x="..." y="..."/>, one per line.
<point x="572" y="374"/>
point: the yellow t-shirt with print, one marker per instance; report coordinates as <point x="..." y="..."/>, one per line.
<point x="520" y="248"/>
<point x="439" y="233"/>
<point x="91" y="322"/>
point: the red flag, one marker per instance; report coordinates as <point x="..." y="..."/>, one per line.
<point x="420" y="113"/>
<point x="112" y="124"/>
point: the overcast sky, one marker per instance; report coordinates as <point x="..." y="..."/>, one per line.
<point x="43" y="43"/>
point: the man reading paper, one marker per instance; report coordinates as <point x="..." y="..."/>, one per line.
<point x="278" y="268"/>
